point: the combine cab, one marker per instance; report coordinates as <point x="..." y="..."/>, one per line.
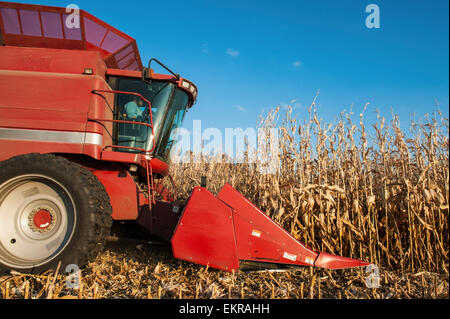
<point x="85" y="131"/>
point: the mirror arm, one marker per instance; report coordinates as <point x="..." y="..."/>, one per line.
<point x="177" y="76"/>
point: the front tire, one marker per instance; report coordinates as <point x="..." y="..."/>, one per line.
<point x="51" y="210"/>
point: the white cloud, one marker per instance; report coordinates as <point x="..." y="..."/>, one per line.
<point x="232" y="52"/>
<point x="297" y="64"/>
<point x="240" y="108"/>
<point x="293" y="103"/>
<point x="205" y="48"/>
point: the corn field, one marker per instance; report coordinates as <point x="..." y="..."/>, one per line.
<point x="376" y="193"/>
<point x="383" y="197"/>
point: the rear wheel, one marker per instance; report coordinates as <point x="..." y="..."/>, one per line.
<point x="51" y="210"/>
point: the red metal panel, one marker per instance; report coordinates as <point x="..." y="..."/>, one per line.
<point x="259" y="238"/>
<point x="101" y="107"/>
<point x="122" y="192"/>
<point x="17" y="117"/>
<point x="159" y="167"/>
<point x="220" y="231"/>
<point x="131" y="158"/>
<point x="205" y="232"/>
<point x="138" y="74"/>
<point x="124" y="73"/>
<point x="45" y="91"/>
<point x="329" y="261"/>
<point x="10" y="148"/>
<point x="93" y="151"/>
<point x="48" y="92"/>
<point x="50" y="60"/>
<point x="31" y="41"/>
<point x="44" y="100"/>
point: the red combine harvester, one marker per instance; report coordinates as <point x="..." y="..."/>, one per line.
<point x="85" y="132"/>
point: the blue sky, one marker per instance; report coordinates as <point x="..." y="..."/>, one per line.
<point x="250" y="56"/>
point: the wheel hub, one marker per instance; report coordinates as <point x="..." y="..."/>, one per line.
<point x="42" y="219"/>
<point x="37" y="220"/>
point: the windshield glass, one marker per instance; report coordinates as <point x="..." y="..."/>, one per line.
<point x="173" y="120"/>
<point x="133" y="108"/>
<point x="168" y="109"/>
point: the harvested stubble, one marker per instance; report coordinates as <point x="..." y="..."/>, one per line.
<point x="123" y="271"/>
<point x="385" y="201"/>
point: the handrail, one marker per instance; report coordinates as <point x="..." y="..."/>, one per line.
<point x="121" y="121"/>
<point x="129" y="122"/>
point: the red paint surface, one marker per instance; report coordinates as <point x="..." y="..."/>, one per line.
<point x="220" y="231"/>
<point x="122" y="192"/>
<point x="329" y="261"/>
<point x="205" y="233"/>
<point x="273" y="241"/>
<point x="10" y="148"/>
